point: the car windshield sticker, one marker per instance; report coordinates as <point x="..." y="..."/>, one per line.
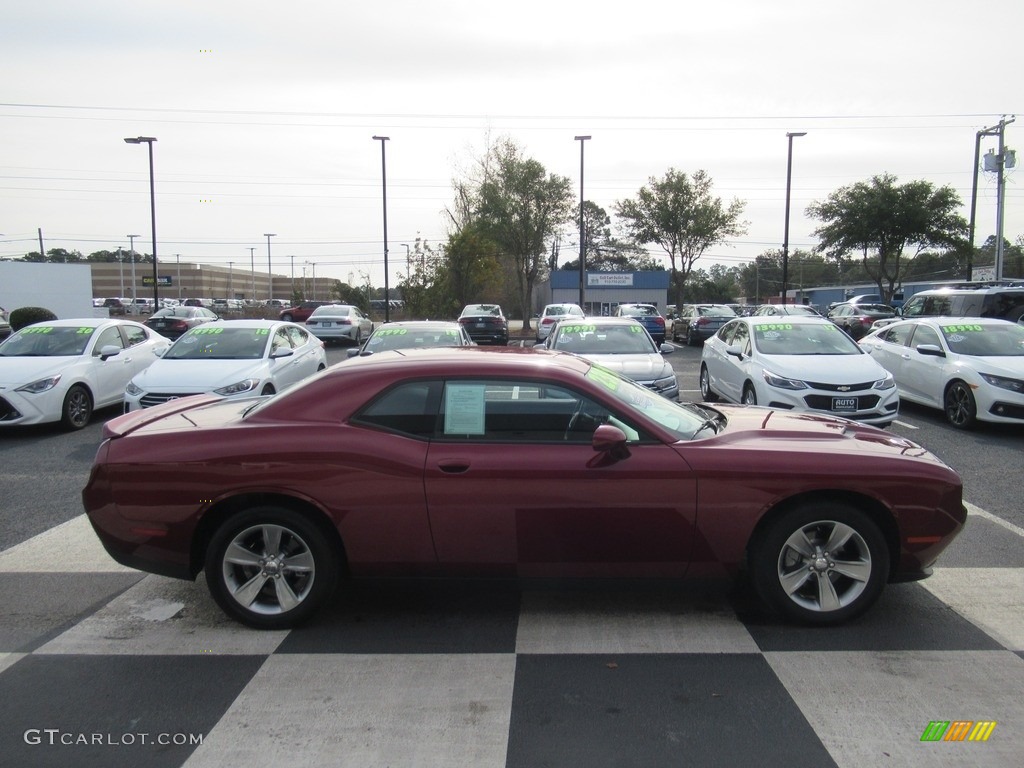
<point x="579" y="328"/>
<point x="38" y="329"/>
<point x="604" y="377"/>
<point x="464" y="409"/>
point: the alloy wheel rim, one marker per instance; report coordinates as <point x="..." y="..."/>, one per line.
<point x="824" y="566"/>
<point x="268" y="569"/>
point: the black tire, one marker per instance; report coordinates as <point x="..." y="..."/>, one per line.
<point x="959" y="406"/>
<point x="820" y="563"/>
<point x="749" y="395"/>
<point x="691" y="340"/>
<point x="320" y="367"/>
<point x="250" y="583"/>
<point x="77" y="408"/>
<point x="705" y="385"/>
<point x="286" y="317"/>
<point x="268" y="389"/>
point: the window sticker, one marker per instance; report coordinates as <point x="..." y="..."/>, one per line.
<point x="464" y="409"/>
<point x="948" y="329"/>
<point x="604" y="377"/>
<point x="38" y="329"/>
<point x="579" y="328"/>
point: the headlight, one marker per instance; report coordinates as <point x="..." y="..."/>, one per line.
<point x="887" y="383"/>
<point x="238" y="387"/>
<point x="40" y="386"/>
<point x="1014" y="385"/>
<point x="666" y="383"/>
<point x="781" y="382"/>
<point x="132" y="390"/>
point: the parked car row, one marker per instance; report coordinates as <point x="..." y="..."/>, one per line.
<point x="62" y="370"/>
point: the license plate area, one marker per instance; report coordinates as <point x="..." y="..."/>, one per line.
<point x="842" y="404"/>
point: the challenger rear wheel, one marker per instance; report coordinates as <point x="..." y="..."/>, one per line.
<point x="270" y="567"/>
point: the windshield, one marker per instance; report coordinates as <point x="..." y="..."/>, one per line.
<point x="985" y="340"/>
<point x="638" y="310"/>
<point x="404" y="338"/>
<point x="683" y="421"/>
<point x="718" y="310"/>
<point x="589" y="339"/>
<point x="47" y="341"/>
<point x="220" y="344"/>
<point x="802" y="339"/>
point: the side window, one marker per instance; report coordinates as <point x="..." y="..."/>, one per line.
<point x="298" y="337"/>
<point x="726" y="333"/>
<point x="135" y="335"/>
<point x="109" y="337"/>
<point x="898" y="335"/>
<point x="742" y="338"/>
<point x="410" y="409"/>
<point x="281" y="341"/>
<point x="913" y="307"/>
<point x="926" y="335"/>
<point x="518" y="412"/>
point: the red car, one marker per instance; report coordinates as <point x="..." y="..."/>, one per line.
<point x="511" y="462"/>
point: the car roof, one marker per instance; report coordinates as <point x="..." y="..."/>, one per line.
<point x="788" y="319"/>
<point x="598" y="321"/>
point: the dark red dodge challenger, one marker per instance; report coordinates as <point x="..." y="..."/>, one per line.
<point x="511" y="462"/>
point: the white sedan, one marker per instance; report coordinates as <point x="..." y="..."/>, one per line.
<point x="233" y="358"/>
<point x="970" y="367"/>
<point x="64" y="369"/>
<point x="797" y="363"/>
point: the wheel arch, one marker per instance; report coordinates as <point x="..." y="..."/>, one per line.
<point x="873" y="508"/>
<point x="225" y="508"/>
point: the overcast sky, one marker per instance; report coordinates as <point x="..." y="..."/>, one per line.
<point x="264" y="112"/>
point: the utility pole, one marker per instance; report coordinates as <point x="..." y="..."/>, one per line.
<point x="1000" y="161"/>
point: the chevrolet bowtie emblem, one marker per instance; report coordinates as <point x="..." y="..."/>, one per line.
<point x="844" y="389"/>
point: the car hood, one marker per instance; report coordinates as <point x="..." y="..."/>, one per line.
<point x="825" y="369"/>
<point x="204" y="375"/>
<point x="635" y="367"/>
<point x="1012" y="367"/>
<point x="19" y="371"/>
<point x="793" y="432"/>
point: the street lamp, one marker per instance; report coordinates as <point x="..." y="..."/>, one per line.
<point x="131" y="247"/>
<point x="785" y="237"/>
<point x="148" y="140"/>
<point x="270" y="272"/>
<point x="384" y="186"/>
<point x="252" y="272"/>
<point x="583" y="254"/>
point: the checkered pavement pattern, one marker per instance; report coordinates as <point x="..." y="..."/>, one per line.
<point x="105" y="666"/>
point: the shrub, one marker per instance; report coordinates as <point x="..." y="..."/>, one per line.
<point x="23" y="316"/>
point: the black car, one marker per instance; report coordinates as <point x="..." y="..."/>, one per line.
<point x="172" y="322"/>
<point x="696" y="323"/>
<point x="485" y="324"/>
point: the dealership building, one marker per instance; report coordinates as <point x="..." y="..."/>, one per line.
<point x="604" y="291"/>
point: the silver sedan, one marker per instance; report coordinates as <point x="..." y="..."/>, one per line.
<point x="333" y="322"/>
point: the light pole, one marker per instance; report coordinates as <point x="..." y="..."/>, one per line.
<point x="231" y="284"/>
<point x="270" y="272"/>
<point x="148" y="140"/>
<point x="120" y="266"/>
<point x="785" y="237"/>
<point x="384" y="186"/>
<point x="583" y="252"/>
<point x="131" y="247"/>
<point x="177" y="258"/>
<point x="252" y="272"/>
<point x="291" y="298"/>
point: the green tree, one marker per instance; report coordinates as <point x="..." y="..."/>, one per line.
<point x="606" y="253"/>
<point x="516" y="204"/>
<point x="680" y="214"/>
<point x="880" y="220"/>
<point x="470" y="270"/>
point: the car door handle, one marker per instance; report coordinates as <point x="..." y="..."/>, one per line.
<point x="454" y="467"/>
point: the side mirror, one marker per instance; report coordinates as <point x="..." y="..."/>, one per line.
<point x="111" y="350"/>
<point x="735" y="350"/>
<point x="282" y="353"/>
<point x="930" y="349"/>
<point x="666" y="349"/>
<point x="611" y="440"/>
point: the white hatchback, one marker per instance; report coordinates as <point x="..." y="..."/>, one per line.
<point x="797" y="363"/>
<point x="64" y="369"/>
<point x="233" y="358"/>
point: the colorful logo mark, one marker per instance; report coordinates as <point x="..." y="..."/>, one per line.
<point x="958" y="730"/>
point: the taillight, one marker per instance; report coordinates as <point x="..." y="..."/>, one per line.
<point x="659" y="321"/>
<point x="546" y="321"/>
<point x="180" y="325"/>
<point x="701" y="321"/>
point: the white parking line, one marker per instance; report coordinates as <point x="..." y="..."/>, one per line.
<point x="971" y="509"/>
<point x="904" y="424"/>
